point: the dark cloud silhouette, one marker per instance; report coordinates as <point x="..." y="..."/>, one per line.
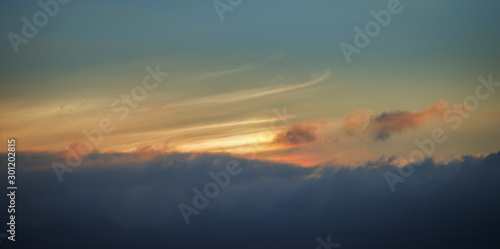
<point x="296" y="135"/>
<point x="109" y="202"/>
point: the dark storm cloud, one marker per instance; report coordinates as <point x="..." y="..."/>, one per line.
<point x="134" y="204"/>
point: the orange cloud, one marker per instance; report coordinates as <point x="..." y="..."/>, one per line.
<point x="356" y="121"/>
<point x="296" y="135"/>
<point x="388" y="123"/>
<point x="351" y="157"/>
<point x="302" y="159"/>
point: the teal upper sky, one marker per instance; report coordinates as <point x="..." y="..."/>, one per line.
<point x="443" y="35"/>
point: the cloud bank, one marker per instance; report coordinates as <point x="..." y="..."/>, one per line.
<point x="112" y="202"/>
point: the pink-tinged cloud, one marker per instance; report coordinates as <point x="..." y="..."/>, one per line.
<point x="387" y="123"/>
<point x="355" y="122"/>
<point x="384" y="125"/>
<point x="296" y="135"/>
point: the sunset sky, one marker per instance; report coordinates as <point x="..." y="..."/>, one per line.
<point x="226" y="78"/>
<point x="238" y="124"/>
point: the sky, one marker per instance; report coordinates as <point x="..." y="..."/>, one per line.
<point x="228" y="79"/>
<point x="366" y="87"/>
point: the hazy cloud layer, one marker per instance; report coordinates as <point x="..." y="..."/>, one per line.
<point x="113" y="202"/>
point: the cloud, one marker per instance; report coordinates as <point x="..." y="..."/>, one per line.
<point x="296" y="135"/>
<point x="115" y="203"/>
<point x="222" y="73"/>
<point x="356" y="122"/>
<point x="246" y="67"/>
<point x="387" y="123"/>
<point x="243" y="95"/>
<point x="384" y="125"/>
